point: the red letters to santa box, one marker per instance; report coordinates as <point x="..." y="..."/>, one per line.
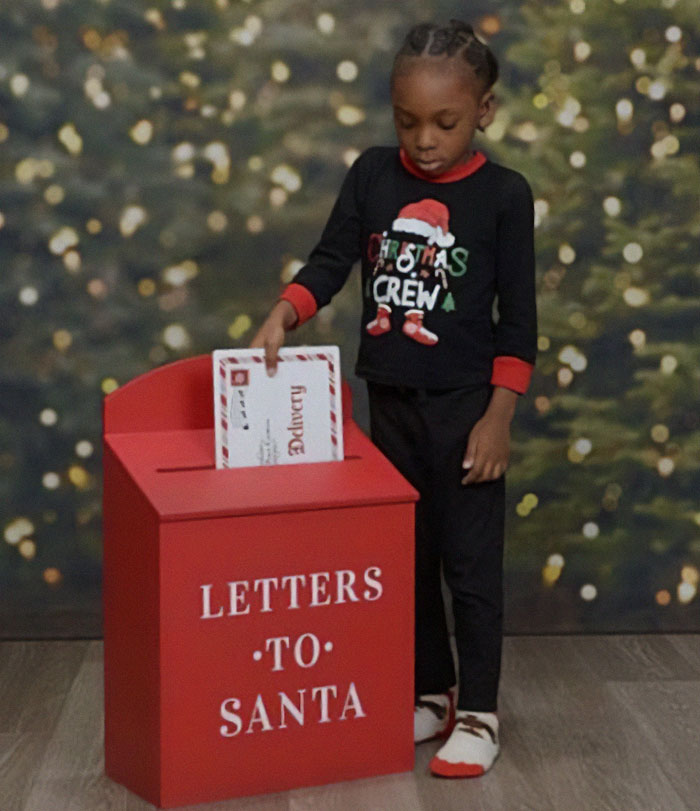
<point x="258" y="622"/>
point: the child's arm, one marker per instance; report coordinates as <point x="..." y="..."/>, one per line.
<point x="326" y="271"/>
<point x="488" y="448"/>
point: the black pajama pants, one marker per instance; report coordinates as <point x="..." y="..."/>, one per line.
<point x="424" y="433"/>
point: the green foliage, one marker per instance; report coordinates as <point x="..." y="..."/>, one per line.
<point x="163" y="167"/>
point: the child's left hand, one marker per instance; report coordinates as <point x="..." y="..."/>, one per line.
<point x="488" y="448"/>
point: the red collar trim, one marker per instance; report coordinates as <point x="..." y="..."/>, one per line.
<point x="476" y="161"/>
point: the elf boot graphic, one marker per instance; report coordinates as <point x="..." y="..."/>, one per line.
<point x="413" y="327"/>
<point x="382" y="323"/>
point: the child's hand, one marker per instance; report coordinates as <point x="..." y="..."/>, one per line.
<point x="488" y="448"/>
<point x="270" y="336"/>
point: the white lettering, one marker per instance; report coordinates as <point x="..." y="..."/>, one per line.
<point x="345" y="579"/>
<point x="427" y="300"/>
<point x="263" y="594"/>
<point x="294" y="580"/>
<point x="297" y="712"/>
<point x="408" y="297"/>
<point x="266" y="717"/>
<point x="318" y="588"/>
<point x="323" y="692"/>
<point x="266" y="582"/>
<point x="315" y="650"/>
<point x="373" y="583"/>
<point x="259" y="716"/>
<point x="236" y="599"/>
<point x="352" y="702"/>
<point x="206" y="603"/>
<point x="228" y="715"/>
<point x="406" y="261"/>
<point x="277" y="642"/>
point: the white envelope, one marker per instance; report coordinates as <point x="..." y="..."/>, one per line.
<point x="293" y="417"/>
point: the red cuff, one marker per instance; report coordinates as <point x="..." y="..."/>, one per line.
<point x="302" y="300"/>
<point x="511" y="373"/>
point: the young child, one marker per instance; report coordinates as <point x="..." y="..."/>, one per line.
<point x="441" y="232"/>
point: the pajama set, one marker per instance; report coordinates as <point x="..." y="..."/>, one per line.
<point x="435" y="254"/>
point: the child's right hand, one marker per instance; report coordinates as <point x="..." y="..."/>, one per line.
<point x="270" y="336"/>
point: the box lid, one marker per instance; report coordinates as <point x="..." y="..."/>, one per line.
<point x="175" y="471"/>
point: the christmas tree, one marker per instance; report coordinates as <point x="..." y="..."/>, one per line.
<point x="166" y="168"/>
<point x="600" y="110"/>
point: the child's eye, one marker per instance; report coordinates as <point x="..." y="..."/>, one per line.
<point x="405" y="125"/>
<point x="444" y="126"/>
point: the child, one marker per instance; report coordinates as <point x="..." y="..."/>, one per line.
<point x="441" y="231"/>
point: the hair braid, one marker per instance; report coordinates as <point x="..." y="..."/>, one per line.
<point x="452" y="40"/>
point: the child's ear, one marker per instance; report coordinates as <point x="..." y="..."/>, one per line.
<point x="487" y="109"/>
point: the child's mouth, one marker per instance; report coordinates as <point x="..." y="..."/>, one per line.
<point x="429" y="165"/>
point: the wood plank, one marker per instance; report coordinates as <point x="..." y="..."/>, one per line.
<point x="584" y="744"/>
<point x="574" y="734"/>
<point x="634" y="657"/>
<point x="688" y="645"/>
<point x="393" y="791"/>
<point x="71" y="775"/>
<point x="34" y="680"/>
<point x="264" y="802"/>
<point x="20" y="754"/>
<point x="668" y="715"/>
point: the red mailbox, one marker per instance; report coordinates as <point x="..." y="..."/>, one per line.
<point x="258" y="622"/>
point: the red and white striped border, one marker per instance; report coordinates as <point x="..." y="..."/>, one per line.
<point x="252" y="359"/>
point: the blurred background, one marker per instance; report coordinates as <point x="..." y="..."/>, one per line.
<point x="165" y="168"/>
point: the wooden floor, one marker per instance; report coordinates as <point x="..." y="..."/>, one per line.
<point x="588" y="722"/>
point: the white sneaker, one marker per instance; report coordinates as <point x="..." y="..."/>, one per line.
<point x="472" y="747"/>
<point x="433" y="716"/>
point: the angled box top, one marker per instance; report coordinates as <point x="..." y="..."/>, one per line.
<point x="160" y="427"/>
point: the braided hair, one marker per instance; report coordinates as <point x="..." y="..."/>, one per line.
<point x="457" y="39"/>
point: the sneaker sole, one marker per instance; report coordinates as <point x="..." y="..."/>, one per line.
<point x="442" y="768"/>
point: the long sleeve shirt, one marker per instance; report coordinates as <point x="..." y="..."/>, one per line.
<point x="436" y="253"/>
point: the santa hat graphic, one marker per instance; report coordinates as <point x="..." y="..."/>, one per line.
<point x="427" y="218"/>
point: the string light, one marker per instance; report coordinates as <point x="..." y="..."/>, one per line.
<point x="347" y="71"/>
<point x="668" y="364"/>
<point x="325" y="23"/>
<point x="280" y="71"/>
<point x="84" y="448"/>
<point x="17" y="529"/>
<point x="588" y="592"/>
<point x="131" y="219"/>
<point x="290" y="270"/>
<point x="51" y="480"/>
<point x="52" y="576"/>
<point x="238" y="328"/>
<point x="142" y="132"/>
<point x="349" y="115"/>
<point x="71" y="244"/>
<point x="28" y="296"/>
<point x="54" y="194"/>
<point x="175" y="336"/>
<point x="217" y="221"/>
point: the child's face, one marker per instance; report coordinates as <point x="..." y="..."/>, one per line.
<point x="437" y="107"/>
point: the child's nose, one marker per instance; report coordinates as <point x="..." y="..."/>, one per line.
<point x="425" y="138"/>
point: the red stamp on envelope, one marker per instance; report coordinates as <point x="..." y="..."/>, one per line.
<point x="239" y="377"/>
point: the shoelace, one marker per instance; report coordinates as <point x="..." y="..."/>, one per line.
<point x="472" y="725"/>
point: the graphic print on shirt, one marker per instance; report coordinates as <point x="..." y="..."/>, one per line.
<point x="412" y="267"/>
